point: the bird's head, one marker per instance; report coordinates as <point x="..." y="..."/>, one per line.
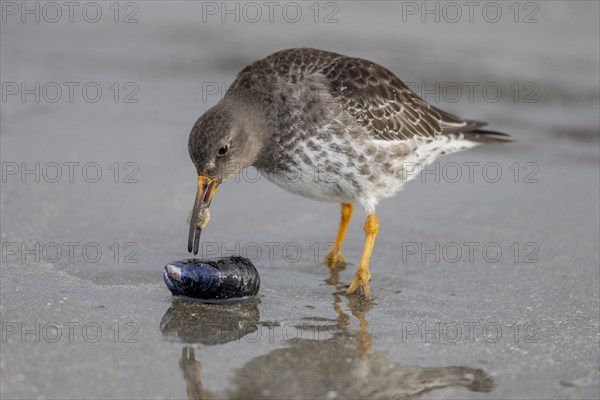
<point x="223" y="141"/>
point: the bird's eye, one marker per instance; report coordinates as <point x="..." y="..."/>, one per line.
<point x="223" y="150"/>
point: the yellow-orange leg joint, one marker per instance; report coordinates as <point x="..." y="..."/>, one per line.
<point x="335" y="257"/>
<point x="363" y="276"/>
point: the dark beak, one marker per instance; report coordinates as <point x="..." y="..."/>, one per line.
<point x="206" y="190"/>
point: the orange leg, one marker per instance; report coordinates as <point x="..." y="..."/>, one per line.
<point x="363" y="276"/>
<point x="335" y="256"/>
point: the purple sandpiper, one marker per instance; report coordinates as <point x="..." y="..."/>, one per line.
<point x="325" y="126"/>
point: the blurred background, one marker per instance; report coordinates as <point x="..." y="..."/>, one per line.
<point x="98" y="99"/>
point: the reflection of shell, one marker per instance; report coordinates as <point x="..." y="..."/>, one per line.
<point x="219" y="281"/>
<point x="209" y="324"/>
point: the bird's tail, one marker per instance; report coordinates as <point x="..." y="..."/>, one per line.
<point x="487" y="137"/>
<point x="470" y="129"/>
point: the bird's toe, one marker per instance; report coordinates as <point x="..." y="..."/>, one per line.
<point x="361" y="280"/>
<point x="334" y="259"/>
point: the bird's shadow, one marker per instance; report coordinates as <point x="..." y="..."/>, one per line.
<point x="338" y="359"/>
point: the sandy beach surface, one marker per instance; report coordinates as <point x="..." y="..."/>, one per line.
<point x="485" y="271"/>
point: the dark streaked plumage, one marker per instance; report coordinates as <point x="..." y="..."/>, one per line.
<point x="374" y="96"/>
<point x="329" y="127"/>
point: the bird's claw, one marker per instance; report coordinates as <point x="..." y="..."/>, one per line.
<point x="361" y="279"/>
<point x="334" y="259"/>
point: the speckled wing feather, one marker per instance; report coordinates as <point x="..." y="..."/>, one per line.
<point x="385" y="105"/>
<point x="376" y="98"/>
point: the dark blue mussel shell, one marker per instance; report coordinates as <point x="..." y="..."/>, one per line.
<point x="222" y="280"/>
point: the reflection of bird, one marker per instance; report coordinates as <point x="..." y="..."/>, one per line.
<point x="344" y="366"/>
<point x="341" y="364"/>
<point x="297" y="372"/>
<point x="328" y="127"/>
<point x="192" y="375"/>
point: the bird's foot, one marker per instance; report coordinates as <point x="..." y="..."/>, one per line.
<point x="335" y="258"/>
<point x="335" y="266"/>
<point x="361" y="280"/>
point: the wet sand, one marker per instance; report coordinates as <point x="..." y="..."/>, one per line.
<point x="485" y="285"/>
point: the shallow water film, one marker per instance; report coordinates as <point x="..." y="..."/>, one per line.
<point x="485" y="271"/>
